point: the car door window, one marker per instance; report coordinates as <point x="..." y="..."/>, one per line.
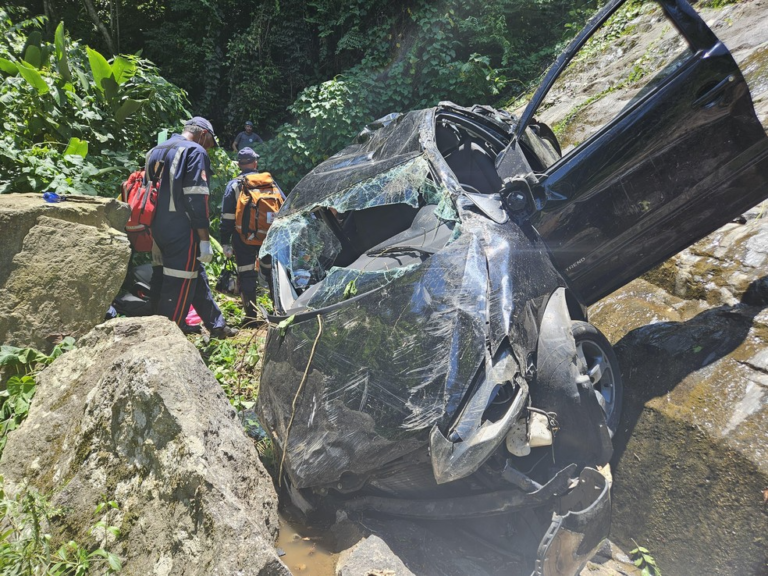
<point x="623" y="62"/>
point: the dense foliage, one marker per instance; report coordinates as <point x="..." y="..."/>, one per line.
<point x="312" y="73"/>
<point x="73" y="121"/>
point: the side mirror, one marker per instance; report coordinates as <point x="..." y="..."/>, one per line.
<point x="516" y="194"/>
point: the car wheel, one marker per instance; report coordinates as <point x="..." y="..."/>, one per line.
<point x="599" y="362"/>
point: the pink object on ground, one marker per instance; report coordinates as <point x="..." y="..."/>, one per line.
<point x="192" y="318"/>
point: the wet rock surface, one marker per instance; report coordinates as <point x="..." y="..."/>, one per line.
<point x="134" y="415"/>
<point x="371" y="557"/>
<point x="60" y="266"/>
<point x="691" y="455"/>
<point x="724" y="269"/>
<point x="375" y="545"/>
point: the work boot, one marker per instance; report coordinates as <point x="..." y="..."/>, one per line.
<point x="224" y="332"/>
<point x="191" y="329"/>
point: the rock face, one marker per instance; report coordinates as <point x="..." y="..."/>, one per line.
<point x="60" y="266"/>
<point x="600" y="83"/>
<point x="691" y="454"/>
<point x="133" y="414"/>
<point x="371" y="557"/>
<point x="724" y="268"/>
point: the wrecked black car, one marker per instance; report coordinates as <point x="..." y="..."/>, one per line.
<point x="433" y="356"/>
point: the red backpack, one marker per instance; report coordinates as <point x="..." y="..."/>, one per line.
<point x="140" y="194"/>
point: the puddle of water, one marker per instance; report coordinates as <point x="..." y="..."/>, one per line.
<point x="307" y="550"/>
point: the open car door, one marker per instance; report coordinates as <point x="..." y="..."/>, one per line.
<point x="685" y="155"/>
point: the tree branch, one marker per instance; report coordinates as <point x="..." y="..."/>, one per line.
<point x="100" y="25"/>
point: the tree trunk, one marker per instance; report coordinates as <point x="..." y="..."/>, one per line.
<point x="100" y="25"/>
<point x="49" y="20"/>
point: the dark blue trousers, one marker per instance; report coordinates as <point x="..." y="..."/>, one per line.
<point x="184" y="282"/>
<point x="247" y="273"/>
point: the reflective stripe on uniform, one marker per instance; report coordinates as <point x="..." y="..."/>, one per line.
<point x="172" y="175"/>
<point x="179" y="273"/>
<point x="157" y="256"/>
<point x="195" y="190"/>
<point x="247" y="268"/>
<point x="260" y="231"/>
<point x="227" y="216"/>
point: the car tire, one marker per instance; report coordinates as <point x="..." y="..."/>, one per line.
<point x="598" y="360"/>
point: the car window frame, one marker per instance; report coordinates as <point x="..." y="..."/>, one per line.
<point x="679" y="13"/>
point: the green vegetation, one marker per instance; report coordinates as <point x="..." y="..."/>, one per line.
<point x="27" y="545"/>
<point x="26" y="541"/>
<point x="73" y="121"/>
<point x="643" y="560"/>
<point x="235" y="364"/>
<point x="309" y="74"/>
<point x="15" y="400"/>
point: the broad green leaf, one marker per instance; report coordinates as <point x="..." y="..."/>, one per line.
<point x="83" y="79"/>
<point x="99" y="67"/>
<point x="58" y="40"/>
<point x="46" y="52"/>
<point x="8" y="67"/>
<point x="111" y="89"/>
<point x="123" y="69"/>
<point x="114" y="562"/>
<point x="33" y="77"/>
<point x="76" y="147"/>
<point x="129" y="107"/>
<point x="33" y="56"/>
<point x="61" y="53"/>
<point x="9" y="355"/>
<point x="14" y="385"/>
<point x="57" y="95"/>
<point x="35" y="38"/>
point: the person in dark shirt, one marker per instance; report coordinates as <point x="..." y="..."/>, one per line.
<point x="180" y="227"/>
<point x="246" y="256"/>
<point x="246" y="138"/>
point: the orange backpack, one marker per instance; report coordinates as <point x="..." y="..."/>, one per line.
<point x="257" y="203"/>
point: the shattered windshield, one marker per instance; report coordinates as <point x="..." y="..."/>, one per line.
<point x="364" y="236"/>
<point x="384" y="149"/>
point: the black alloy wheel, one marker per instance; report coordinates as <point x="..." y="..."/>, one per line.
<point x="598" y="361"/>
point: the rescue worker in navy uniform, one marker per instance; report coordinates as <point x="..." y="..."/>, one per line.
<point x="231" y="243"/>
<point x="180" y="227"/>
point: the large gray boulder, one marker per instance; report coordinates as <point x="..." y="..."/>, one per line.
<point x="133" y="414"/>
<point x="60" y="266"/>
<point x="691" y="455"/>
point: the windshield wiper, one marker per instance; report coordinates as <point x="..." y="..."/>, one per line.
<point x="396" y="249"/>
